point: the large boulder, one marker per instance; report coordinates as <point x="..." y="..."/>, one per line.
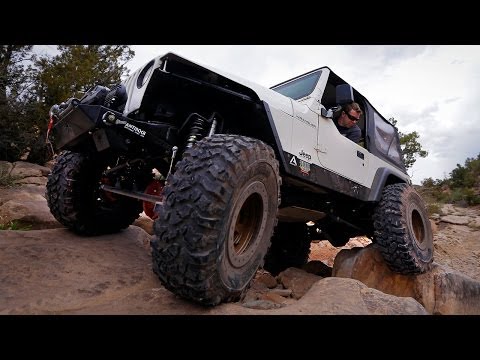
<point x="337" y="296"/>
<point x="27" y="206"/>
<point x="441" y="290"/>
<point x="24" y="169"/>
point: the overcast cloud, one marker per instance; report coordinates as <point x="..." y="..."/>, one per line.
<point x="429" y="89"/>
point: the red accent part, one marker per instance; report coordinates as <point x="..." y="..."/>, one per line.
<point x="50" y="123"/>
<point x="154" y="188"/>
<point x="49" y="128"/>
<point x="107" y="194"/>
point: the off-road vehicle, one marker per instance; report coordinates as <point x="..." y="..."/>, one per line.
<point x="232" y="172"/>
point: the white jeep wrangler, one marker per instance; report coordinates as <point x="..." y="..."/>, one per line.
<point x="242" y="170"/>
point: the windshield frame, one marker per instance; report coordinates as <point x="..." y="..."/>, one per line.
<point x="303" y="85"/>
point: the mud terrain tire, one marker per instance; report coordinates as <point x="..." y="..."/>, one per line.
<point x="290" y="247"/>
<point x="403" y="231"/>
<point x="75" y="200"/>
<point x="217" y="218"/>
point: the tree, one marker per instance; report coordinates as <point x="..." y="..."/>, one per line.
<point x="71" y="73"/>
<point x="467" y="175"/>
<point x="14" y="70"/>
<point x="29" y="86"/>
<point x="17" y="75"/>
<point x="411" y="148"/>
<point x="80" y="67"/>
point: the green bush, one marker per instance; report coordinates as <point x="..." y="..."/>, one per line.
<point x="15" y="225"/>
<point x="433" y="208"/>
<point x="465" y="195"/>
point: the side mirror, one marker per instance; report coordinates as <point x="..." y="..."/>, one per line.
<point x="326" y="113"/>
<point x="344" y="94"/>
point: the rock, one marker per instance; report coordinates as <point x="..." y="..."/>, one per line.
<point x="37" y="180"/>
<point x="24" y="169"/>
<point x="440" y="291"/>
<point x="449" y="209"/>
<point x="455" y="293"/>
<point x="317" y="267"/>
<point x="282" y="292"/>
<point x="273" y="297"/>
<point x="267" y="279"/>
<point x="475" y="223"/>
<point x="55" y="271"/>
<point x="31" y="213"/>
<point x="368" y="266"/>
<point x="338" y="296"/>
<point x="261" y="304"/>
<point x="455" y="219"/>
<point x="26" y="204"/>
<point x="299" y="281"/>
<point x="145" y="223"/>
<point x="435" y="217"/>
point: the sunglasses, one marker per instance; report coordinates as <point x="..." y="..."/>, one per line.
<point x="353" y="118"/>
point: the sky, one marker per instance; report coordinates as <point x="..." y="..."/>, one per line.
<point x="429" y="89"/>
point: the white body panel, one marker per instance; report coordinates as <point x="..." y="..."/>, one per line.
<point x="302" y="131"/>
<point x="135" y="93"/>
<point x="304" y="134"/>
<point x="339" y="154"/>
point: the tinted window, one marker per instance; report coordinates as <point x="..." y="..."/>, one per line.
<point x="386" y="140"/>
<point x="299" y="88"/>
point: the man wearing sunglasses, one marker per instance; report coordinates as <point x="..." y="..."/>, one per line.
<point x="347" y="122"/>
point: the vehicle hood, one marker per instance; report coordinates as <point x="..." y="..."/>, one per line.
<point x="209" y="74"/>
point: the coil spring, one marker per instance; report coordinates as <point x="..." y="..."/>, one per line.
<point x="197" y="130"/>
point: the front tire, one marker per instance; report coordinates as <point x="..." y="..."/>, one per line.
<point x="403" y="231"/>
<point x="217" y="218"/>
<point x="75" y="200"/>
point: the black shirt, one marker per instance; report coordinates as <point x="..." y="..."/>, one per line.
<point x="354" y="133"/>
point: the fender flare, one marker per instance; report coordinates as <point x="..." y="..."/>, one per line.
<point x="383" y="176"/>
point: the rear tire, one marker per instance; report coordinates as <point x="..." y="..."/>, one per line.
<point x="403" y="231"/>
<point x="218" y="215"/>
<point x="75" y="200"/>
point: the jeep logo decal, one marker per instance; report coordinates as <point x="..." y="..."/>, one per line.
<point x="305" y="155"/>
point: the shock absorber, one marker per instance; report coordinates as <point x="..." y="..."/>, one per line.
<point x="197" y="129"/>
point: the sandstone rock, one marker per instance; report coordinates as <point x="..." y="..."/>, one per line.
<point x="455" y="219"/>
<point x="317" y="267"/>
<point x="145" y="223"/>
<point x="338" y="296"/>
<point x="24" y="169"/>
<point x="298" y="280"/>
<point x="261" y="304"/>
<point x="475" y="223"/>
<point x="37" y="180"/>
<point x="31" y="213"/>
<point x="440" y="291"/>
<point x="55" y="271"/>
<point x="267" y="279"/>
